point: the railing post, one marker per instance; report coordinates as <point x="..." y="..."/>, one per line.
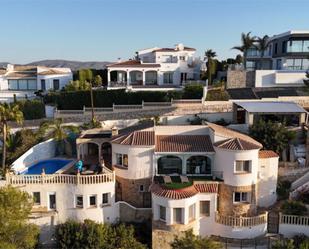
<point x="142" y="104"/>
<point x="113" y="107"/>
<point x="84" y="110"/>
<point x="77" y="177"/>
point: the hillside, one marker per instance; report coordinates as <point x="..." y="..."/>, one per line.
<point x="74" y="65"/>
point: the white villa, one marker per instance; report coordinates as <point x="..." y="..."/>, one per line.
<point x="25" y="80"/>
<point x="205" y="177"/>
<point x="156" y="68"/>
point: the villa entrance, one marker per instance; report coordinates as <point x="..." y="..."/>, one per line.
<point x="273" y="222"/>
<point x="106" y="152"/>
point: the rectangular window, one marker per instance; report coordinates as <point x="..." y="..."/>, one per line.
<point x="92" y="200"/>
<point x="204" y="208"/>
<point x="177" y="215"/>
<point x="13" y="84"/>
<point x="192" y="212"/>
<point x="168" y="78"/>
<point x="105" y="199"/>
<point x="52" y="201"/>
<point x="32" y="85"/>
<point x="43" y="85"/>
<point x="22" y="84"/>
<point x="122" y="159"/>
<point x="141" y="188"/>
<point x="36" y="198"/>
<point x="79" y="201"/>
<point x="162" y="213"/>
<point x="56" y="84"/>
<point x="182" y="58"/>
<point x="241" y="197"/>
<point x="242" y="166"/>
<point x="276" y="48"/>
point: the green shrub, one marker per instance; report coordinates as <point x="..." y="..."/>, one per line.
<point x="77" y="235"/>
<point x="217" y="95"/>
<point x="283" y="189"/>
<point x="193" y="91"/>
<point x="293" y="208"/>
<point x="32" y="109"/>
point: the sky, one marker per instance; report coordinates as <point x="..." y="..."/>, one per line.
<point x="104" y="30"/>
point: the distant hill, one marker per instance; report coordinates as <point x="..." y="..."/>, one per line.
<point x="74" y="65"/>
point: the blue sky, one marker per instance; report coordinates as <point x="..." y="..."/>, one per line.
<point x="101" y="30"/>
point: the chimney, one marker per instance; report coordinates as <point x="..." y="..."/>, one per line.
<point x="114" y="131"/>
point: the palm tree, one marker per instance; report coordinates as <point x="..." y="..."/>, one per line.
<point x="209" y="54"/>
<point x="247" y="42"/>
<point x="8" y="113"/>
<point x="57" y="130"/>
<point x="261" y="45"/>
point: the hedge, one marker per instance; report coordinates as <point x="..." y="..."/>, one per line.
<point x="102" y="98"/>
<point x="32" y="109"/>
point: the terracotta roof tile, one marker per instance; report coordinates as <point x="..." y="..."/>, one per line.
<point x="183" y="143"/>
<point x="51" y="72"/>
<point x="133" y="63"/>
<point x="267" y="154"/>
<point x="228" y="133"/>
<point x="183" y="193"/>
<point x="236" y="144"/>
<point x="141" y="138"/>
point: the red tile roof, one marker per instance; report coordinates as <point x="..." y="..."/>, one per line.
<point x="51" y="72"/>
<point x="133" y="63"/>
<point x="267" y="154"/>
<point x="228" y="133"/>
<point x="141" y="138"/>
<point x="237" y="144"/>
<point x="184" y="193"/>
<point x="183" y="143"/>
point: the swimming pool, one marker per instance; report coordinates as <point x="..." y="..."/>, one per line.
<point x="50" y="166"/>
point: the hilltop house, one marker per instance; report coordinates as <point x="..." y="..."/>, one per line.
<point x="156" y="68"/>
<point x="204" y="177"/>
<point x="282" y="64"/>
<point x="25" y="80"/>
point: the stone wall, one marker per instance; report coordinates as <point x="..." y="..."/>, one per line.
<point x="240" y="79"/>
<point x="128" y="190"/>
<point x="226" y="205"/>
<point x="163" y="235"/>
<point x="128" y="213"/>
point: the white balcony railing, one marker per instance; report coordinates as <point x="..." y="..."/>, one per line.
<point x="60" y="179"/>
<point x="241" y="221"/>
<point x="294" y="220"/>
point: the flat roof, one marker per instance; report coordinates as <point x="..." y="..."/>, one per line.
<point x="270" y="107"/>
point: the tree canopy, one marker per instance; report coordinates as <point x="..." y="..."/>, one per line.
<point x="273" y="136"/>
<point x="15" y="231"/>
<point x="92" y="235"/>
<point x="190" y="241"/>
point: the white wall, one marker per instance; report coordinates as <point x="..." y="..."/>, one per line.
<point x="267" y="183"/>
<point x="64" y="79"/>
<point x="271" y="78"/>
<point x="225" y="161"/>
<point x="240" y="232"/>
<point x="66" y="200"/>
<point x="41" y="151"/>
<point x="291" y="230"/>
<point x="184" y="119"/>
<point x="139" y="161"/>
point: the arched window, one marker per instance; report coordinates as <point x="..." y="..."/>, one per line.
<point x="169" y="165"/>
<point x="199" y="165"/>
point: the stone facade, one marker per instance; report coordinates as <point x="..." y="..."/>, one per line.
<point x="240" y="79"/>
<point x="128" y="190"/>
<point x="163" y="235"/>
<point x="228" y="207"/>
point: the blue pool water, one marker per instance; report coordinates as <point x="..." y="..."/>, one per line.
<point x="50" y="166"/>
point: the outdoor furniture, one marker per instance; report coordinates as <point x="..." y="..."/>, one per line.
<point x="167" y="179"/>
<point x="184" y="179"/>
